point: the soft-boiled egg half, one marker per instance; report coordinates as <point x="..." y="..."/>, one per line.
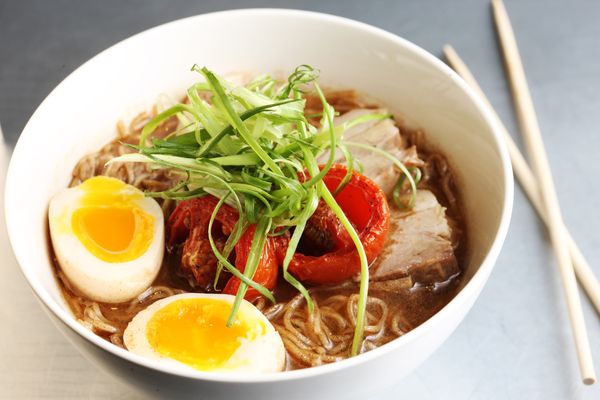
<point x="108" y="238"/>
<point x="189" y="331"/>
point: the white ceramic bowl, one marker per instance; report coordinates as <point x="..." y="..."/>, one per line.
<point x="80" y="115"/>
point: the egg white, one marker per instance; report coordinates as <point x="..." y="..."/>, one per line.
<point x="264" y="354"/>
<point x="110" y="282"/>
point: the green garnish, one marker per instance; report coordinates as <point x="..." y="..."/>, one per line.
<point x="254" y="148"/>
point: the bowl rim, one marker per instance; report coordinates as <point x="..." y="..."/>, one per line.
<point x="473" y="285"/>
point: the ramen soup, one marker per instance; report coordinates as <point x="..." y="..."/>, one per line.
<point x="259" y="225"/>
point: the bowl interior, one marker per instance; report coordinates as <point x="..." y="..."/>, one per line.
<point x="81" y="113"/>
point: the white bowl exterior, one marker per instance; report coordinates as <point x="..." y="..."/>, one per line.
<point x="80" y="115"/>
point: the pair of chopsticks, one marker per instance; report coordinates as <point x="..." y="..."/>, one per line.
<point x="539" y="186"/>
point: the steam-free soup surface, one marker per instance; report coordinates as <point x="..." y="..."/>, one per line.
<point x="397" y="303"/>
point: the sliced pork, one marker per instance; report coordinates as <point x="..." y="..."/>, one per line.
<point x="419" y="244"/>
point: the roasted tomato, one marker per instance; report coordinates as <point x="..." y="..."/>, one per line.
<point x="326" y="254"/>
<point x="323" y="233"/>
<point x="266" y="273"/>
<point x="189" y="224"/>
<point x="365" y="205"/>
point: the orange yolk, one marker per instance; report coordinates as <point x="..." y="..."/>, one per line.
<point x="194" y="332"/>
<point x="109" y="223"/>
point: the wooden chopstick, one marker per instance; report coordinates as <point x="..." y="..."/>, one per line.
<point x="541" y="168"/>
<point x="529" y="184"/>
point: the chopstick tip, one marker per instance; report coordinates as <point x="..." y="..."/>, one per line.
<point x="590" y="380"/>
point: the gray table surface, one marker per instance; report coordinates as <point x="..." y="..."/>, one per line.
<point x="515" y="343"/>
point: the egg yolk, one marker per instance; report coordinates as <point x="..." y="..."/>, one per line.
<point x="194" y="332"/>
<point x="109" y="223"/>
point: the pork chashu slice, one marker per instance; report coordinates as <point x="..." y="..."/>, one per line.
<point x="419" y="244"/>
<point x="419" y="247"/>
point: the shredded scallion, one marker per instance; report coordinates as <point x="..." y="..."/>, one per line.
<point x="253" y="147"/>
